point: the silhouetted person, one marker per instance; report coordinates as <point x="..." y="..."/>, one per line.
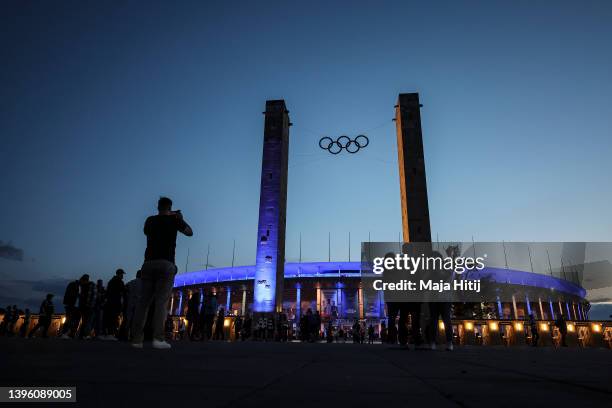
<point x="246" y="327"/>
<point x="208" y="312"/>
<point x="97" y="321"/>
<point x="8" y="313"/>
<point x="304" y="326"/>
<point x="158" y="270"/>
<point x="14" y="319"/>
<point x="283" y="327"/>
<point x="316" y="329"/>
<point x="238" y="328"/>
<point x="562" y="326"/>
<point x="400" y="311"/>
<point x="370" y="334"/>
<point x="261" y="328"/>
<point x="115" y="291"/>
<point x="133" y="292"/>
<point x="441" y="309"/>
<point x="309" y="326"/>
<point x="355" y="329"/>
<point x="169" y="328"/>
<point x="219" y="334"/>
<point x="383" y="332"/>
<point x="27" y="317"/>
<point x="330" y="332"/>
<point x="87" y="300"/>
<point x="341" y="334"/>
<point x="45" y="314"/>
<point x="71" y="296"/>
<point x="535" y="335"/>
<point x="181" y="329"/>
<point x="193" y="315"/>
<point x="269" y="328"/>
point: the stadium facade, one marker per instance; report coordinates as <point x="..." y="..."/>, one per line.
<point x="335" y="289"/>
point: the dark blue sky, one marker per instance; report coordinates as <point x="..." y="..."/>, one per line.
<point x="107" y="105"/>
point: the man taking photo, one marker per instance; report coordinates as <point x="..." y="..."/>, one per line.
<point x="158" y="271"/>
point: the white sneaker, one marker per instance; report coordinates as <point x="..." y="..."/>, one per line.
<point x="65" y="337"/>
<point x="108" y="337"/>
<point x="137" y="345"/>
<point x="449" y="347"/>
<point x="433" y="346"/>
<point x="161" y="344"/>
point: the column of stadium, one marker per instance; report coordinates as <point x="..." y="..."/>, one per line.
<point x="411" y="161"/>
<point x="270" y="259"/>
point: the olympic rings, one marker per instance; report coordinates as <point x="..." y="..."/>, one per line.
<point x="343" y="142"/>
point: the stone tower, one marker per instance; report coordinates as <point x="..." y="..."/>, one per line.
<point x="411" y="160"/>
<point x="270" y="260"/>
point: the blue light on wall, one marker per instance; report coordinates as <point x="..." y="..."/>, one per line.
<point x="528" y="303"/>
<point x="353" y="270"/>
<point x="552" y="309"/>
<point x="270" y="257"/>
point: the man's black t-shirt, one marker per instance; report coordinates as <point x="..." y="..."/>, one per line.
<point x="161" y="236"/>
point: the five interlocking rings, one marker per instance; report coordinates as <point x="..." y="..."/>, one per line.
<point x="343" y="142"/>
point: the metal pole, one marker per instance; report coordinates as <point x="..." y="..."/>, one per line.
<point x="233" y="253"/>
<point x="187" y="261"/>
<point x="300" y="247"/>
<point x="505" y="256"/>
<point x="329" y="247"/>
<point x="207" y="255"/>
<point x="349" y="242"/>
<point x="399" y="242"/>
<point x="563" y="269"/>
<point x="549" y="264"/>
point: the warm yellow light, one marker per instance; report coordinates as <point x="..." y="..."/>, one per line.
<point x="544" y="327"/>
<point x="469" y="326"/>
<point x="570" y="327"/>
<point x="518" y="326"/>
<point x="441" y="325"/>
<point x="596" y="328"/>
<point x="493" y="326"/>
<point x="226" y="322"/>
<point x="185" y="321"/>
<point x="63" y="320"/>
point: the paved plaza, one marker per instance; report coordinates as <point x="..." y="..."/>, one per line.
<point x="253" y="374"/>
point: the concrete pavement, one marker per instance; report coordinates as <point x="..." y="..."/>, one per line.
<point x="253" y="374"/>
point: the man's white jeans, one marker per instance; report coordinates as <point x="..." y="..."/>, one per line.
<point x="157" y="282"/>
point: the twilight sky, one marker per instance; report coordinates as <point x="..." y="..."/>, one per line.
<point x="107" y="105"/>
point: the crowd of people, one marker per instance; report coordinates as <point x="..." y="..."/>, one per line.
<point x="12" y="314"/>
<point x="124" y="311"/>
<point x="91" y="310"/>
<point x="119" y="310"/>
